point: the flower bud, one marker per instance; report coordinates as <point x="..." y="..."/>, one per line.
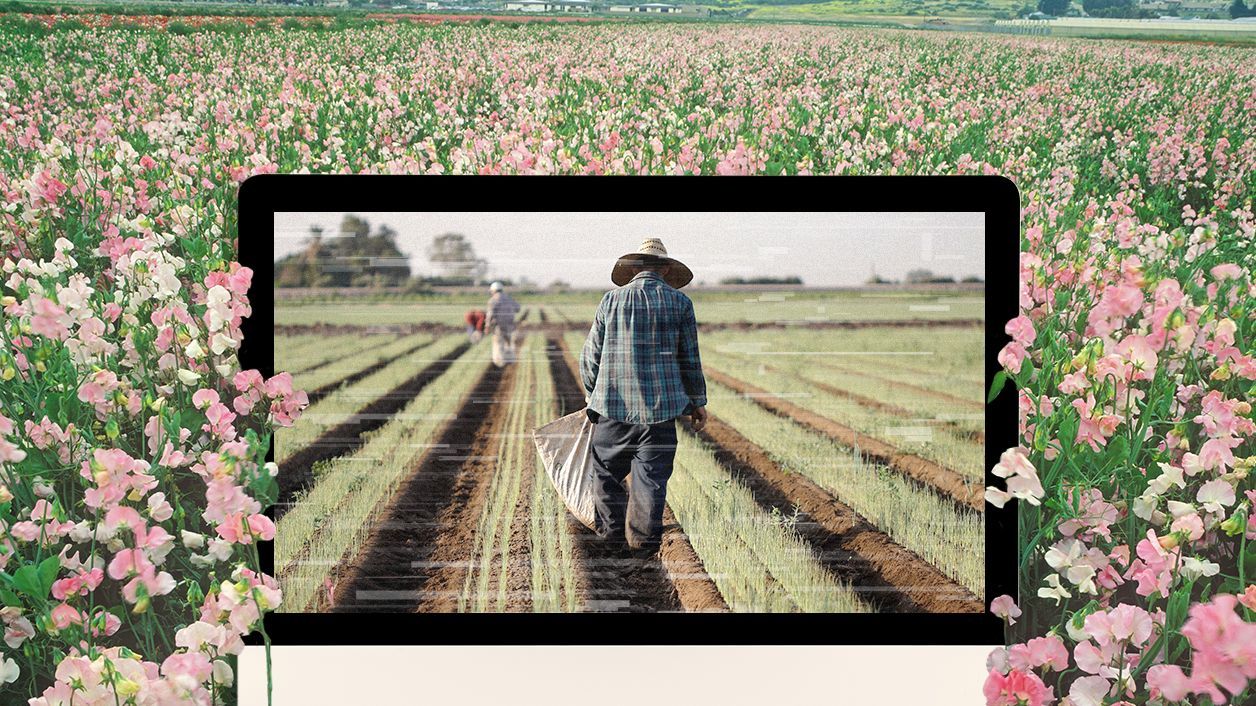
<point x="126" y="688"/>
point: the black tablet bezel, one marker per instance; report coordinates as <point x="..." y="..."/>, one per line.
<point x="997" y="197"/>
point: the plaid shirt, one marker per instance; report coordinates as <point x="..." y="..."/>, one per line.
<point x="640" y="363"/>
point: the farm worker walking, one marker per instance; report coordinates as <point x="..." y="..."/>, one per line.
<point x="500" y="318"/>
<point x="475" y="325"/>
<point x="641" y="370"/>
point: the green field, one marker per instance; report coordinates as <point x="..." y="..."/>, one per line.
<point x="405" y="490"/>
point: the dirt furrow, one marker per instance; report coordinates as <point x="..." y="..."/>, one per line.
<point x="882" y="406"/>
<point x="945" y="481"/>
<point x="907" y="387"/>
<point x="447" y="564"/>
<point x="320" y="393"/>
<point x="406" y="557"/>
<point x="883" y="572"/>
<point x="297" y="471"/>
<point x="694" y="587"/>
<point x="519" y="578"/>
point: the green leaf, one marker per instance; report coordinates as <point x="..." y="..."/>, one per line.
<point x="48" y="569"/>
<point x="26" y="581"/>
<point x="996" y="385"/>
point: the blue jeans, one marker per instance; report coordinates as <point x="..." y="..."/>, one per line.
<point x="634" y="514"/>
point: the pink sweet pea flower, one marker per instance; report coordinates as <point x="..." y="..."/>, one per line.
<point x="1005" y="607"/>
<point x="1021" y="329"/>
<point x="1225" y="648"/>
<point x="204" y="398"/>
<point x="1045" y="652"/>
<point x="1169" y="682"/>
<point x="1016" y="688"/>
<point x="1011" y="356"/>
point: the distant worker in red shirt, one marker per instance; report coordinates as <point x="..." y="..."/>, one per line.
<point x="475" y="325"/>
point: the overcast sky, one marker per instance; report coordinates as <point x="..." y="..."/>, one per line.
<point x="825" y="249"/>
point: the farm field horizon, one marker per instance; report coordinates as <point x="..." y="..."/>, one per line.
<point x="840" y="472"/>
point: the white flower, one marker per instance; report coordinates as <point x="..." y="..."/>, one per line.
<point x="1083" y="576"/>
<point x="1194" y="567"/>
<point x="9" y="671"/>
<point x="223" y="675"/>
<point x="192" y="540"/>
<point x="1216" y="495"/>
<point x="194" y="350"/>
<point x="1144" y="506"/>
<point x="187" y="377"/>
<point x="1089" y="691"/>
<point x="1178" y="509"/>
<point x="997" y="496"/>
<point x="1171" y="476"/>
<point x="219" y="549"/>
<point x="220" y="342"/>
<point x="1064" y="553"/>
<point x="81" y="532"/>
<point x="1054" y="589"/>
<point x="195" y="635"/>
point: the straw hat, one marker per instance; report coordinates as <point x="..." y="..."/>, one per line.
<point x="651" y="251"/>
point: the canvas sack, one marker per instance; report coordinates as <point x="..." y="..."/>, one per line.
<point x="566" y="449"/>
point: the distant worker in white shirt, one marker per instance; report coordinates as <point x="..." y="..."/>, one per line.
<point x="500" y="319"/>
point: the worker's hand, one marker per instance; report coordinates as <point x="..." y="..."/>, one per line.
<point x="699" y="418"/>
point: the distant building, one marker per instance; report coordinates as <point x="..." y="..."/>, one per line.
<point x="1204" y="7"/>
<point x="660" y="8"/>
<point x="549" y="5"/>
<point x="1185" y="7"/>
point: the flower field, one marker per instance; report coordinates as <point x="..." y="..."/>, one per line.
<point x="131" y="476"/>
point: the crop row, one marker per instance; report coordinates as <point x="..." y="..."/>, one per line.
<point x="940" y="445"/>
<point x="348" y="312"/>
<point x="334" y="517"/>
<point x="326" y="351"/>
<point x="950" y="360"/>
<point x="850" y="383"/>
<point x="292" y="350"/>
<point x="343" y="404"/>
<point x="554" y="574"/>
<point x="756" y="559"/>
<point x="920" y="520"/>
<point x="491" y="556"/>
<point x="355" y="356"/>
